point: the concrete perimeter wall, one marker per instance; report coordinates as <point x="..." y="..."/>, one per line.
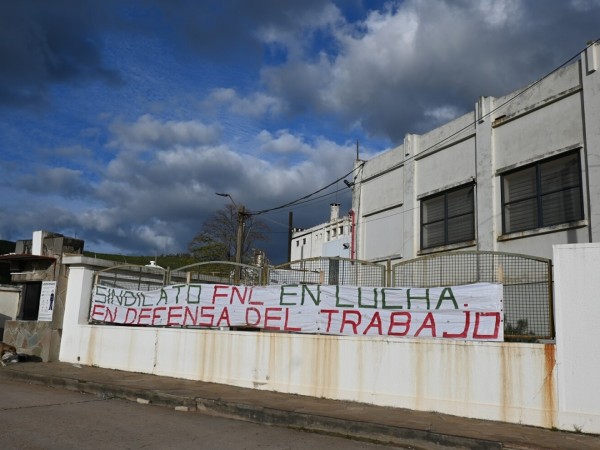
<point x="577" y="310"/>
<point x="512" y="382"/>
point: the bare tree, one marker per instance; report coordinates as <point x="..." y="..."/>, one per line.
<point x="217" y="238"/>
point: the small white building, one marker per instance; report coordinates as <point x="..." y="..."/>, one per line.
<point x="331" y="239"/>
<point x="519" y="173"/>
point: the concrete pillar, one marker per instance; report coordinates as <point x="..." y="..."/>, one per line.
<point x="590" y="80"/>
<point x="486" y="200"/>
<point x="77" y="308"/>
<point x="411" y="211"/>
<point x="576" y="311"/>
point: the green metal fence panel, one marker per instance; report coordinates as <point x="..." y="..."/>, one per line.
<point x="132" y="277"/>
<point x="148" y="278"/>
<point x="526" y="280"/>
<point x="328" y="271"/>
<point x="219" y="272"/>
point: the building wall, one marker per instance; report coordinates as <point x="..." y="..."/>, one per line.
<point x="329" y="239"/>
<point x="37" y="260"/>
<point x="556" y="115"/>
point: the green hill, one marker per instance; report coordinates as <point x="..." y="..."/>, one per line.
<point x="165" y="261"/>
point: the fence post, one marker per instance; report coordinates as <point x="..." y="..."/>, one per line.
<point x="551" y="300"/>
<point x="388" y="273"/>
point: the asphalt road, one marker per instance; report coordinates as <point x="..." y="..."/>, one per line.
<point x="40" y="417"/>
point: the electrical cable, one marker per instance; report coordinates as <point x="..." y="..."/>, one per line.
<point x="254" y="213"/>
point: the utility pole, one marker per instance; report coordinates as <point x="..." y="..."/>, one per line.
<point x="241" y="222"/>
<point x="290" y="232"/>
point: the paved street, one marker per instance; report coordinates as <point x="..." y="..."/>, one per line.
<point x="39" y="417"/>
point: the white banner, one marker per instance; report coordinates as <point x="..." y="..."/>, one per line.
<point x="457" y="312"/>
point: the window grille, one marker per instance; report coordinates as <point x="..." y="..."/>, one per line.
<point x="543" y="194"/>
<point x="448" y="218"/>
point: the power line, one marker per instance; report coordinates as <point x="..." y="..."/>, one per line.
<point x="255" y="213"/>
<point x="306" y="202"/>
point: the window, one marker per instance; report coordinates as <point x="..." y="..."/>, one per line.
<point x="448" y="218"/>
<point x="542" y="194"/>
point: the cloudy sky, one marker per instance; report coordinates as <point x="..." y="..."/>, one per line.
<point x="120" y="119"/>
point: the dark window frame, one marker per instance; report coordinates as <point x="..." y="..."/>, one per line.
<point x="539" y="193"/>
<point x="446" y="218"/>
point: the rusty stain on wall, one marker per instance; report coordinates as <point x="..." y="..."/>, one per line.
<point x="549" y="390"/>
<point x="326" y="365"/>
<point x="506" y="382"/>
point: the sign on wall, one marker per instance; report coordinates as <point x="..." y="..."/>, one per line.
<point x="454" y="312"/>
<point x="47" y="301"/>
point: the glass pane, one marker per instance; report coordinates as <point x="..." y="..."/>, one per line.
<point x="460" y="201"/>
<point x="520" y="216"/>
<point x="519" y="185"/>
<point x="461" y="229"/>
<point x="433" y="235"/>
<point x="560" y="173"/>
<point x="433" y="209"/>
<point x="562" y="207"/>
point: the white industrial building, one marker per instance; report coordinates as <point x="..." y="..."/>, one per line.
<point x="329" y="239"/>
<point x="518" y="174"/>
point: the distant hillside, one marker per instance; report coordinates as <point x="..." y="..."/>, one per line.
<point x="166" y="261"/>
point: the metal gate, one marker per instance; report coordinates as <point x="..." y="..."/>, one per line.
<point x="133" y="277"/>
<point x="322" y="270"/>
<point x="527" y="283"/>
<point x="148" y="278"/>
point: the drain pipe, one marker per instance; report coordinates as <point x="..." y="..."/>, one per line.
<point x="352" y="235"/>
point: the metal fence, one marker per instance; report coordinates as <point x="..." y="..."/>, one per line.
<point x="133" y="277"/>
<point x="219" y="272"/>
<point x="323" y="270"/>
<point x="148" y="278"/>
<point x="527" y="283"/>
<point x="526" y="280"/>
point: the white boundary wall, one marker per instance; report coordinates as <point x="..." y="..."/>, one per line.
<point x="512" y="382"/>
<point x="577" y="311"/>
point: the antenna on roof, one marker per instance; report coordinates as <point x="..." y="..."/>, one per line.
<point x="357" y="148"/>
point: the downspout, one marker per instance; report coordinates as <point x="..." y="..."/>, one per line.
<point x="352" y="235"/>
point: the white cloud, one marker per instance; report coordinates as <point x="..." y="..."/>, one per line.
<point x="443" y="113"/>
<point x="296" y="40"/>
<point x="160" y="200"/>
<point x="149" y="132"/>
<point x="396" y="70"/>
<point x="282" y="142"/>
<point x="500" y="12"/>
<point x="254" y="105"/>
